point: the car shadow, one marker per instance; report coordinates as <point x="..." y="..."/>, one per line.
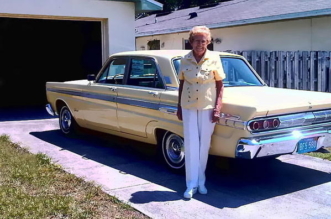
<point x="24" y="113"/>
<point x="231" y="183"/>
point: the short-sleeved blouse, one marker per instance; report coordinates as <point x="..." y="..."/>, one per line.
<point x="199" y="90"/>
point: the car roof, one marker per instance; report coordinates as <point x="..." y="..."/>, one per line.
<point x="164" y="53"/>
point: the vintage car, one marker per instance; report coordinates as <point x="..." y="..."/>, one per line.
<point x="135" y="96"/>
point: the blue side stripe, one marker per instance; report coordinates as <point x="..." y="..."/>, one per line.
<point x="74" y="93"/>
<point x="121" y="100"/>
<point x="139" y="103"/>
<point x="85" y="94"/>
<point x="104" y="97"/>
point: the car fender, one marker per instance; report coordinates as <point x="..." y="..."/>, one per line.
<point x="153" y="126"/>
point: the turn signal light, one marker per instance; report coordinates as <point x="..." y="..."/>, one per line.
<point x="264" y="124"/>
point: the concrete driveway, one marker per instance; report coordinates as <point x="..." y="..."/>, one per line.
<point x="289" y="187"/>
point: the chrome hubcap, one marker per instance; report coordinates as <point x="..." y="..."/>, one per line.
<point x="175" y="148"/>
<point x="66" y="119"/>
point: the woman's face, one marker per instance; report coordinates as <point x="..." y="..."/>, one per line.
<point x="199" y="44"/>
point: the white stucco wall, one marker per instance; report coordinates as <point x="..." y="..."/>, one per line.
<point x="302" y="34"/>
<point x="117" y="17"/>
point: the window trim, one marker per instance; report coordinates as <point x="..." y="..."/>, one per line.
<point x="158" y="72"/>
<point x="106" y="65"/>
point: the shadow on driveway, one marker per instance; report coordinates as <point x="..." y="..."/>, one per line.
<point x="24" y="113"/>
<point x="230" y="183"/>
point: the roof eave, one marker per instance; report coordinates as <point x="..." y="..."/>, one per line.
<point x="306" y="14"/>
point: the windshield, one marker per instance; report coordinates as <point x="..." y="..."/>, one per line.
<point x="236" y="70"/>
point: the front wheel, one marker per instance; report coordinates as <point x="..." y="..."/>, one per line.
<point x="172" y="147"/>
<point x="67" y="122"/>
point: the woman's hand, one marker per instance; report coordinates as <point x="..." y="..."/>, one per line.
<point x="218" y="103"/>
<point x="179" y="113"/>
<point x="179" y="107"/>
<point x="216" y="115"/>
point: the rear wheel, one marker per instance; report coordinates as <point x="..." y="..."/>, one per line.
<point x="172" y="147"/>
<point x="67" y="122"/>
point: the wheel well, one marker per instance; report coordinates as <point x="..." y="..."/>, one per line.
<point x="175" y="164"/>
<point x="59" y="105"/>
<point x="159" y="133"/>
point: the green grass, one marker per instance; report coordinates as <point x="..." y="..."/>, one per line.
<point x="325" y="156"/>
<point x="31" y="186"/>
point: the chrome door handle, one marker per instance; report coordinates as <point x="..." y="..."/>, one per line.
<point x="113" y="89"/>
<point x="170" y="110"/>
<point x="154" y="93"/>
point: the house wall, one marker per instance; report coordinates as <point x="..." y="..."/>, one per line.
<point x="116" y="36"/>
<point x="302" y="34"/>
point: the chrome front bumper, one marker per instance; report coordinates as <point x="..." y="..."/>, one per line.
<point x="50" y="110"/>
<point x="278" y="144"/>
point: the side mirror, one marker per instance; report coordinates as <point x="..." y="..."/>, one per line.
<point x="91" y="77"/>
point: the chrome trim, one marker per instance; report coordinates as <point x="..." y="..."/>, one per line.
<point x="322" y="116"/>
<point x="289" y="129"/>
<point x="50" y="110"/>
<point x="295" y="120"/>
<point x="153" y="93"/>
<point x="298" y="119"/>
<point x="168" y="109"/>
<point x="232" y="121"/>
<point x="170" y="88"/>
<point x="278" y="144"/>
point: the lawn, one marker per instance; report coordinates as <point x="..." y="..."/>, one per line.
<point x="323" y="155"/>
<point x="31" y="186"/>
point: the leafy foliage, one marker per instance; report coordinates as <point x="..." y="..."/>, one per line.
<point x="172" y="5"/>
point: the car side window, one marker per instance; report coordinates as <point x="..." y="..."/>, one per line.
<point x="143" y="72"/>
<point x="238" y="73"/>
<point x="113" y="73"/>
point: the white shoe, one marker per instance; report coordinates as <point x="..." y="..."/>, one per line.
<point x="190" y="192"/>
<point x="203" y="190"/>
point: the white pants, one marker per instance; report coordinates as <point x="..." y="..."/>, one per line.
<point x="198" y="128"/>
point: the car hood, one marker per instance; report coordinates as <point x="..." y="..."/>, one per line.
<point x="250" y="102"/>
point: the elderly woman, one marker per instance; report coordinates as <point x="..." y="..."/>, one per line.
<point x="199" y="104"/>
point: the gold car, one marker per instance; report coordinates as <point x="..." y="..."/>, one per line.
<point x="135" y="96"/>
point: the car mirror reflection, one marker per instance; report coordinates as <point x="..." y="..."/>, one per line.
<point x="91" y="77"/>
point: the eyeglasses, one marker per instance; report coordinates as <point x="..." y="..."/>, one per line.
<point x="200" y="41"/>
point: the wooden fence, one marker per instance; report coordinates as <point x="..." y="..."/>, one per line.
<point x="302" y="70"/>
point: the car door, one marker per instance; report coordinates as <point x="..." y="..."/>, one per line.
<point x="138" y="98"/>
<point x="101" y="96"/>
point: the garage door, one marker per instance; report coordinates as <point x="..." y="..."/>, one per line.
<point x="33" y="51"/>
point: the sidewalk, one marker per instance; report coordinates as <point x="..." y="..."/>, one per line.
<point x="294" y="186"/>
